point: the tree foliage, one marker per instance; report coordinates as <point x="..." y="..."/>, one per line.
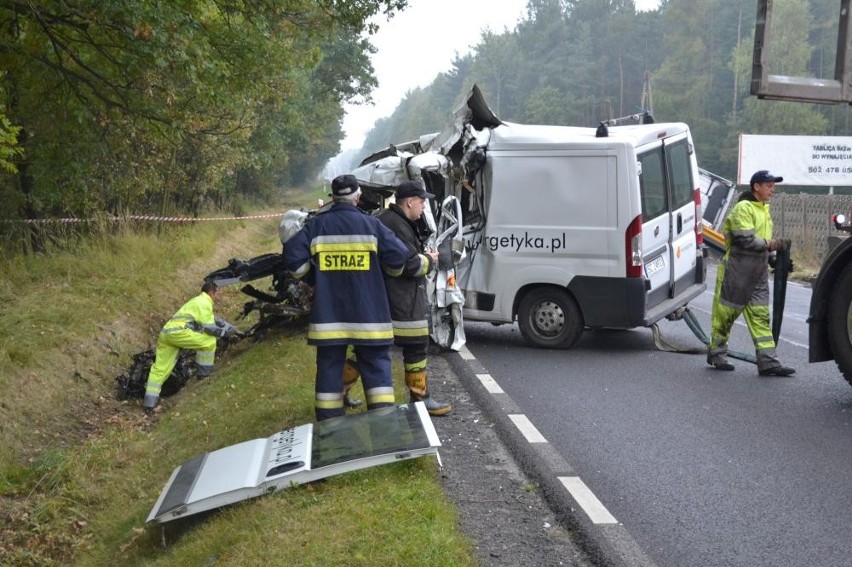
<point x="173" y="104"/>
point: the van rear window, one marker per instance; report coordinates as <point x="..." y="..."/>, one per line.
<point x="666" y="182"/>
<point x="652" y="185"/>
<point x="677" y="156"/>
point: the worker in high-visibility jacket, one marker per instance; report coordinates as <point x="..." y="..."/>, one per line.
<point x="344" y="251"/>
<point x="193" y="327"/>
<point x="741" y="280"/>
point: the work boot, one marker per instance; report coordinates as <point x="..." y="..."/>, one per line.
<point x="149" y="403"/>
<point x="777" y="371"/>
<point x="419" y="392"/>
<point x="350" y="377"/>
<point x="720" y="362"/>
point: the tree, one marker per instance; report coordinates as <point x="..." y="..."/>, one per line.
<point x="164" y="104"/>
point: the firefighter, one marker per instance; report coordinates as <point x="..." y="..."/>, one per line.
<point x="407" y="294"/>
<point x="193" y="327"/>
<point x="741" y="280"/>
<point x="343" y="251"/>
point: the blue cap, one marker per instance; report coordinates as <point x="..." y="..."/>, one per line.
<point x="763" y="176"/>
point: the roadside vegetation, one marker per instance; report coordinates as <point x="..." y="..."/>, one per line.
<point x="80" y="471"/>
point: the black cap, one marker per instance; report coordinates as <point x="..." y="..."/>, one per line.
<point x="763" y="176"/>
<point x="411" y="189"/>
<point x="343" y="185"/>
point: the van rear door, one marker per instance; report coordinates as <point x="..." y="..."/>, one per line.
<point x="667" y="188"/>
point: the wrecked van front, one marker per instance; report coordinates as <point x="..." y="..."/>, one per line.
<point x="566" y="228"/>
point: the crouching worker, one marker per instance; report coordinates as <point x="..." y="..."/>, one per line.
<point x="193" y="327"/>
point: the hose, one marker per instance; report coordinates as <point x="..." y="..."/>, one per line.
<point x="783" y="267"/>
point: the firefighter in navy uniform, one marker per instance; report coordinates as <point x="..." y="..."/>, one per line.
<point x="343" y="252"/>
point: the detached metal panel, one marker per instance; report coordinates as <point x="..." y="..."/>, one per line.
<point x="296" y="456"/>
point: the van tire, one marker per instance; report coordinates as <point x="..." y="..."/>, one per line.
<point x="550" y="318"/>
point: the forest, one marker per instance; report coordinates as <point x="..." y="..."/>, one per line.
<point x="578" y="62"/>
<point x="131" y="106"/>
<point x="170" y="106"/>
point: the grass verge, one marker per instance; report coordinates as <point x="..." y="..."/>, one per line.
<point x="79" y="471"/>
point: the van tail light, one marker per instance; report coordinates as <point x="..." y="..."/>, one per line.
<point x="699" y="226"/>
<point x="633" y="248"/>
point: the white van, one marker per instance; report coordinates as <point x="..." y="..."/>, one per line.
<point x="564" y="228"/>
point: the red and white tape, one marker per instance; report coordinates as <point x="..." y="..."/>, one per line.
<point x="143" y="217"/>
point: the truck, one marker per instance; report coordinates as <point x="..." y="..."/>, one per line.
<point x="830" y="315"/>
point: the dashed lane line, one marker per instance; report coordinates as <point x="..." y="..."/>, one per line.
<point x="527" y="429"/>
<point x="621" y="548"/>
<point x="490" y="384"/>
<point x="587" y="500"/>
<point x="466" y="354"/>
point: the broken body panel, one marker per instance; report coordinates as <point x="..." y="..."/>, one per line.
<point x="303" y="454"/>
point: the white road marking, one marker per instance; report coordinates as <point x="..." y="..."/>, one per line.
<point x="466" y="354"/>
<point x="587" y="500"/>
<point x="527" y="429"/>
<point x="490" y="384"/>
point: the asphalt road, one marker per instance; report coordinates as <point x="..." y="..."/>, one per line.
<point x="701" y="467"/>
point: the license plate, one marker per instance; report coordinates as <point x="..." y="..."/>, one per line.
<point x="654" y="266"/>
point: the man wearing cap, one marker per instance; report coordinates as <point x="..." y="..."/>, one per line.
<point x="343" y="252"/>
<point x="741" y="280"/>
<point x="409" y="303"/>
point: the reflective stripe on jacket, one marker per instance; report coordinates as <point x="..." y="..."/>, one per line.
<point x="345" y="251"/>
<point x="194" y="314"/>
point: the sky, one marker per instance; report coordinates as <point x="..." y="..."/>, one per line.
<point x="421" y="42"/>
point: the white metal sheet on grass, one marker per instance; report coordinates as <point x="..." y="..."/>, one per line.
<point x="296" y="456"/>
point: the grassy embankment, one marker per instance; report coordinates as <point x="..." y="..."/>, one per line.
<point x="79" y="471"/>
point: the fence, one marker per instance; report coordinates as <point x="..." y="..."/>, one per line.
<point x="806" y="220"/>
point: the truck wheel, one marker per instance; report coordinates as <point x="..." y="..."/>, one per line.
<point x="550" y="318"/>
<point x="840" y="322"/>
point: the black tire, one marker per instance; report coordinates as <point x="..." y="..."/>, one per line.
<point x="550" y="318"/>
<point x="840" y="322"/>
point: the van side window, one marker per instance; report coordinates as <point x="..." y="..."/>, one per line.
<point x="652" y="186"/>
<point x="679" y="168"/>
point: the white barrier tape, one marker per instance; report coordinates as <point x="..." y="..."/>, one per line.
<point x="141" y="217"/>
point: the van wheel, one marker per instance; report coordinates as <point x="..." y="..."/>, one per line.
<point x="550" y="318"/>
<point x="840" y="322"/>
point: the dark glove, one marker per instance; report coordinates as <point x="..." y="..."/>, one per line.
<point x="773" y="260"/>
<point x="790" y="267"/>
<point x="775" y="244"/>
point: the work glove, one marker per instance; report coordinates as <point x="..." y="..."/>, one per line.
<point x="228" y="329"/>
<point x="775" y="244"/>
<point x="220" y="329"/>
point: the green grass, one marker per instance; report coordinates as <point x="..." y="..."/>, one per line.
<point x="80" y="471"/>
